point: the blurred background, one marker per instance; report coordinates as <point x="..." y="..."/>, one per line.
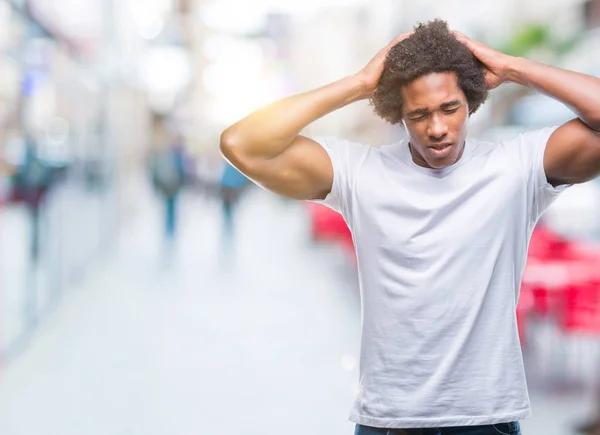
<point x="147" y="288"/>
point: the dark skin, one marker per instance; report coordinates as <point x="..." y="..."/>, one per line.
<point x="572" y="155"/>
<point x="435" y="113"/>
<point x="267" y="146"/>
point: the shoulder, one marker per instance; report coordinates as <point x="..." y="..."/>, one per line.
<point x="359" y="155"/>
<point x="342" y="146"/>
<point x="516" y="144"/>
<point x="478" y="147"/>
<point x="528" y="147"/>
<point x="518" y="139"/>
<point x="531" y="137"/>
<point x="345" y="154"/>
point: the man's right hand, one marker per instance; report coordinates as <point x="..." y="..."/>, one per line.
<point x="371" y="74"/>
<point x="266" y="145"/>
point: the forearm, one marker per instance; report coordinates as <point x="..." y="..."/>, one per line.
<point x="580" y="92"/>
<point x="267" y="132"/>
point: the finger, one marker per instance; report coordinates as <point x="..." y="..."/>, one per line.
<point x="461" y="37"/>
<point x="394" y="41"/>
<point x="467" y="42"/>
<point x="470" y="43"/>
<point x="402" y="37"/>
<point x="406" y="35"/>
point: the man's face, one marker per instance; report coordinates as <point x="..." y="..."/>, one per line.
<point x="435" y="115"/>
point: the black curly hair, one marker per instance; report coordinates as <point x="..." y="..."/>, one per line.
<point x="432" y="48"/>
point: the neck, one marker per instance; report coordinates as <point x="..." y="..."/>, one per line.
<point x="420" y="161"/>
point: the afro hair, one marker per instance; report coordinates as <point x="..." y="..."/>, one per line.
<point x="432" y="48"/>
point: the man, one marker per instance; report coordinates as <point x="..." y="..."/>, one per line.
<point x="441" y="222"/>
<point x="33" y="180"/>
<point x="167" y="169"/>
<point x="233" y="183"/>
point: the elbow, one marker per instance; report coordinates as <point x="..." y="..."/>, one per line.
<point x="232" y="150"/>
<point x="227" y="144"/>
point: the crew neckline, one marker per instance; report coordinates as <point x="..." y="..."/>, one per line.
<point x="406" y="156"/>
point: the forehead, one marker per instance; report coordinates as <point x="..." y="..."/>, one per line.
<point x="431" y="90"/>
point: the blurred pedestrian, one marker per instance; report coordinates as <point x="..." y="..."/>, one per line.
<point x="32" y="181"/>
<point x="168" y="173"/>
<point x="441" y="222"/>
<point x="233" y="184"/>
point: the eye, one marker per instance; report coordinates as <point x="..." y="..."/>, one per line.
<point x="451" y="110"/>
<point x="418" y="118"/>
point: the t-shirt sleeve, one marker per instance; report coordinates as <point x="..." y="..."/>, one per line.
<point x="529" y="149"/>
<point x="346" y="158"/>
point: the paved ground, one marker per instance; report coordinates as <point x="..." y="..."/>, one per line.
<point x="257" y="336"/>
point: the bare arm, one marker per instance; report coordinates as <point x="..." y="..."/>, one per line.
<point x="573" y="151"/>
<point x="266" y="145"/>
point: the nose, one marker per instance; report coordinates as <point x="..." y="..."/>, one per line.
<point x="437" y="129"/>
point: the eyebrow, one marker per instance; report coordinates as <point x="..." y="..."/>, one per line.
<point x="450" y="104"/>
<point x="445" y="105"/>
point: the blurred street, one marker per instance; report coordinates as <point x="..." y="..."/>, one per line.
<point x="143" y="347"/>
<point x="148" y="287"/>
<point x="255" y="337"/>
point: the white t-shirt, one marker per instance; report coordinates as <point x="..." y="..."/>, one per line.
<point x="441" y="253"/>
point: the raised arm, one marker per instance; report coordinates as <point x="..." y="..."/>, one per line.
<point x="573" y="151"/>
<point x="572" y="154"/>
<point x="266" y="145"/>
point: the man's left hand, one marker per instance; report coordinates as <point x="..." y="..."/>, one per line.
<point x="495" y="63"/>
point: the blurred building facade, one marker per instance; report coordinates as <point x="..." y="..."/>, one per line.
<point x="74" y="91"/>
<point x="81" y="84"/>
<point x="83" y="80"/>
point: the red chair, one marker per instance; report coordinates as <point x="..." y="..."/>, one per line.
<point x="579" y="333"/>
<point x="581" y="313"/>
<point x="327" y="224"/>
<point x="555" y="264"/>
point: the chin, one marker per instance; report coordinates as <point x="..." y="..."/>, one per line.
<point x="439" y="165"/>
<point x="442" y="163"/>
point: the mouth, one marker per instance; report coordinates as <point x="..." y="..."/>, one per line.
<point x="441" y="150"/>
